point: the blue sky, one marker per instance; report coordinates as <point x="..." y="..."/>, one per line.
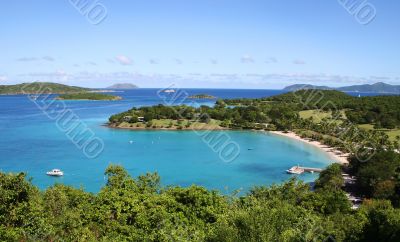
<point x="216" y="43"/>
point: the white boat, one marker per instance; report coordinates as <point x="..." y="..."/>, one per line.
<point x="295" y="170"/>
<point x="55" y="172"/>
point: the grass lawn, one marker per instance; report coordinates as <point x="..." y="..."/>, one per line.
<point x="318" y="115"/>
<point x="366" y="126"/>
<point x="392" y="133"/>
<point x="174" y="124"/>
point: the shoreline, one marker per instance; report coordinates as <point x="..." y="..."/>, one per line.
<point x="62" y="99"/>
<point x="165" y="128"/>
<point x="336" y="155"/>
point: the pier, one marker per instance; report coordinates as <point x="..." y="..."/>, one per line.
<point x="310" y="169"/>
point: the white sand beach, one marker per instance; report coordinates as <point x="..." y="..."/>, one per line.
<point x="336" y="155"/>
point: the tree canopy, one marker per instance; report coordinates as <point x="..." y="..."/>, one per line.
<point x="140" y="209"/>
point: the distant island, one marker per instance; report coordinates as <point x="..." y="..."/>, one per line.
<point x="123" y="86"/>
<point x="89" y="96"/>
<point x="378" y="87"/>
<point x="297" y="87"/>
<point x="40" y="88"/>
<point x="202" y="96"/>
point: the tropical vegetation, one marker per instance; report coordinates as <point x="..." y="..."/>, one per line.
<point x="39" y="88"/>
<point x="140" y="209"/>
<point x="202" y="96"/>
<point x="88" y="96"/>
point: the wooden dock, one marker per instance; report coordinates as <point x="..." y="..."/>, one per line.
<point x="310" y="169"/>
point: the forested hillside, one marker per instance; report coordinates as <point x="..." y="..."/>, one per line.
<point x="39" y="88"/>
<point x="139" y="209"/>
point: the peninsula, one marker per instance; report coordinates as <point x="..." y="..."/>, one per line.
<point x="201" y="96"/>
<point x="315" y="121"/>
<point x="165" y="118"/>
<point x="40" y="88"/>
<point x="89" y="96"/>
<point x="122" y="86"/>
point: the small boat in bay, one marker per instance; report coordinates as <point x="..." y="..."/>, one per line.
<point x="55" y="172"/>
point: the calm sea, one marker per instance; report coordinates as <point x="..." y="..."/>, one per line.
<point x="32" y="142"/>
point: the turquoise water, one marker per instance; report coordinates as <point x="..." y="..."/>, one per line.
<point x="31" y="142"/>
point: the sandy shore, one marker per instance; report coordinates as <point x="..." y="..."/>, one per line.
<point x="336" y="155"/>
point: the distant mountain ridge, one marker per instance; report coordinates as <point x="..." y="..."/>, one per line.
<point x="296" y="87"/>
<point x="122" y="86"/>
<point x="378" y="87"/>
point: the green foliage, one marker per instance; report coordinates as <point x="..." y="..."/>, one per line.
<point x="134" y="119"/>
<point x="271" y="220"/>
<point x="139" y="209"/>
<point x="383" y="221"/>
<point x="315" y="99"/>
<point x="330" y="179"/>
<point x="282" y="111"/>
<point x="202" y="96"/>
<point x="381" y="110"/>
<point x="88" y="96"/>
<point x="39" y="88"/>
<point x="379" y="176"/>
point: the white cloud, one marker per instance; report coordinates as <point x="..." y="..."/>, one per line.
<point x="57" y="73"/>
<point x="381" y="78"/>
<point x="3" y="78"/>
<point x="299" y="62"/>
<point x="48" y="58"/>
<point x="271" y="60"/>
<point x="247" y="59"/>
<point x="224" y="76"/>
<point x="91" y="63"/>
<point x="153" y="61"/>
<point x="123" y="60"/>
<point x="178" y="61"/>
<point x="27" y="59"/>
<point x="56" y="76"/>
<point x="193" y="79"/>
<point x="111" y="61"/>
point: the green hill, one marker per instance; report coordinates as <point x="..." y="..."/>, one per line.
<point x="315" y="98"/>
<point x="296" y="87"/>
<point x="88" y="96"/>
<point x="202" y="96"/>
<point x="39" y="88"/>
<point x="378" y="87"/>
<point x="123" y="86"/>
